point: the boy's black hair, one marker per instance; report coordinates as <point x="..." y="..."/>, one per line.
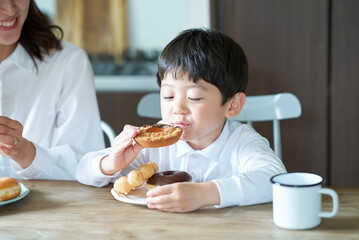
<point x="209" y="55"/>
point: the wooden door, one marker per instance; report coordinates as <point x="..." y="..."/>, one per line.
<point x="286" y="42"/>
<point x="344" y="87"/>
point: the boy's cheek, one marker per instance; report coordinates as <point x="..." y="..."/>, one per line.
<point x="166" y="114"/>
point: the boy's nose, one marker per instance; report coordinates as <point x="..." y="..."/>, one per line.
<point x="180" y="108"/>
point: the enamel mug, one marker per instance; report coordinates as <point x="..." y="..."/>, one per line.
<point x="297" y="200"/>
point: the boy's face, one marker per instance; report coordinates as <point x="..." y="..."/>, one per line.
<point x="196" y="107"/>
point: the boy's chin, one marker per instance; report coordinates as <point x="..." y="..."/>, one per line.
<point x="183" y="138"/>
<point x="186" y="139"/>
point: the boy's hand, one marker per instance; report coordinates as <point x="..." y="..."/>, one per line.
<point x="183" y="197"/>
<point x="122" y="152"/>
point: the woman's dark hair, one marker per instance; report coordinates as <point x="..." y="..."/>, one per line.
<point x="37" y="36"/>
<point x="209" y="55"/>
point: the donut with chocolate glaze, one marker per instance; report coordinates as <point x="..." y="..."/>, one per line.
<point x="167" y="177"/>
<point x="158" y="135"/>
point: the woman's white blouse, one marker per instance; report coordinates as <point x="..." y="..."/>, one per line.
<point x="57" y="106"/>
<point x="240" y="162"/>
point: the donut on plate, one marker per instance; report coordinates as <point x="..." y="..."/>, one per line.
<point x="167" y="177"/>
<point x="158" y="135"/>
<point x="135" y="178"/>
<point x="9" y="188"/>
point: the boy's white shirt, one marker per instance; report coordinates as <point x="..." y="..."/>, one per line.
<point x="240" y="162"/>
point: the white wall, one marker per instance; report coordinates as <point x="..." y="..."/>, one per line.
<point x="154" y="23"/>
<point x="47" y="6"/>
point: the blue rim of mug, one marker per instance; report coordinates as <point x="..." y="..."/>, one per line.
<point x="296" y="185"/>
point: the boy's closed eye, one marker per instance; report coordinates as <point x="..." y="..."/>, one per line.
<point x="194" y="99"/>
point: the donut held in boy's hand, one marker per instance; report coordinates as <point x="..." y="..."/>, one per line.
<point x="167" y="177"/>
<point x="135" y="178"/>
<point x="9" y="188"/>
<point x="158" y="135"/>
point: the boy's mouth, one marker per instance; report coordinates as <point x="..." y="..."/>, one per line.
<point x="181" y="125"/>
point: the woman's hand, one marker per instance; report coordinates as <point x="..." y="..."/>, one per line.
<point x="13" y="145"/>
<point x="183" y="197"/>
<point x="123" y="152"/>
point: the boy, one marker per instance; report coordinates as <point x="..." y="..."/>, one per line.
<point x="202" y="76"/>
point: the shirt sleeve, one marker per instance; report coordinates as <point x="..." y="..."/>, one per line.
<point x="258" y="163"/>
<point x="76" y="129"/>
<point x="89" y="173"/>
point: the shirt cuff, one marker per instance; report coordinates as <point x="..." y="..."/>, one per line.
<point x="38" y="166"/>
<point x="96" y="172"/>
<point x="228" y="196"/>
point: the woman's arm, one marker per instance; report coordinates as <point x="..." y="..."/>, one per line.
<point x="76" y="128"/>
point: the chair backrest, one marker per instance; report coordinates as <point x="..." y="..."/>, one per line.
<point x="260" y="108"/>
<point x="149" y="106"/>
<point x="108" y="131"/>
<point x="273" y="108"/>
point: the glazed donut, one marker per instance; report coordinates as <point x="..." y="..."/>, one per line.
<point x="158" y="135"/>
<point x="9" y="188"/>
<point x="167" y="177"/>
<point x="135" y="178"/>
<point x="148" y="169"/>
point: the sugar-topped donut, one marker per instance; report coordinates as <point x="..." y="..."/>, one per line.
<point x="167" y="177"/>
<point x="158" y="135"/>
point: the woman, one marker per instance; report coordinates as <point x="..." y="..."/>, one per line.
<point x="48" y="109"/>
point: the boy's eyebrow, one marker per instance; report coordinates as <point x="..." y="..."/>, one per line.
<point x="191" y="85"/>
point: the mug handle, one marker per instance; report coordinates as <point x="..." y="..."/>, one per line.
<point x="334" y="196"/>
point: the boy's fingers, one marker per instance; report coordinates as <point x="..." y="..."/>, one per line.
<point x="161" y="190"/>
<point x="128" y="126"/>
<point x="137" y="148"/>
<point x="166" y="207"/>
<point x="163" y="199"/>
<point x="126" y="136"/>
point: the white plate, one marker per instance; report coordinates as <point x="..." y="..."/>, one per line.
<point x="24" y="192"/>
<point x="136" y="196"/>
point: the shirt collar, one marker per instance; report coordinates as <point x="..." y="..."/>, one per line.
<point x="209" y="152"/>
<point x="21" y="59"/>
<point x="183" y="148"/>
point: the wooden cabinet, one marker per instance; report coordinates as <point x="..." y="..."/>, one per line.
<point x="308" y="48"/>
<point x="96" y="26"/>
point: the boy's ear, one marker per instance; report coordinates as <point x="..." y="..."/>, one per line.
<point x="236" y="104"/>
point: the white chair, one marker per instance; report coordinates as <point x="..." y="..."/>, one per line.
<point x="260" y="108"/>
<point x="109" y="132"/>
<point x="273" y="108"/>
<point x="149" y="106"/>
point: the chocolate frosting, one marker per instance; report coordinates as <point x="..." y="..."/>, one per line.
<point x="160" y="125"/>
<point x="168" y="177"/>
